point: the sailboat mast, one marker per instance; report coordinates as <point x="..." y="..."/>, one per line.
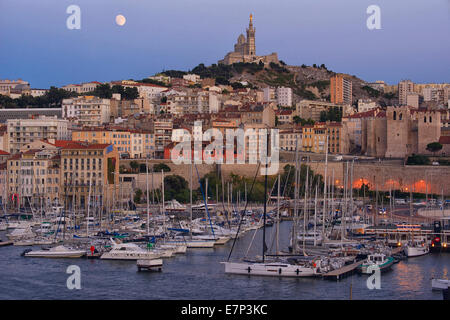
<point x="265" y="200"/>
<point x="148" y="200"/>
<point x="325" y="187"/>
<point x="296" y="174"/>
<point x="278" y="212"/>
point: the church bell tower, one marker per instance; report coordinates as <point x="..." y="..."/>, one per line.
<point x="251" y="49"/>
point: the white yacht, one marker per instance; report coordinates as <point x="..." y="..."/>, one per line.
<point x="20" y="233"/>
<point x="56" y="252"/>
<point x="129" y="251"/>
<point x="416" y="248"/>
<point x="274" y="269"/>
<point x="19" y="225"/>
<point x="176" y="248"/>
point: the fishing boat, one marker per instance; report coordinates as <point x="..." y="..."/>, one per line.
<point x="416" y="248"/>
<point x="129" y="251"/>
<point x="55" y="252"/>
<point x="377" y="259"/>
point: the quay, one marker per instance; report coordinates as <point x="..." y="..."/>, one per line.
<point x="342" y="272"/>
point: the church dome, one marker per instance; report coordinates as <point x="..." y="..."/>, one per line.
<point x="241" y="39"/>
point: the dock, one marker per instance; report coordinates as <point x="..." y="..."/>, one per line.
<point x="5" y="243"/>
<point x="342" y="272"/>
<point x="150" y="264"/>
<point x="397" y="250"/>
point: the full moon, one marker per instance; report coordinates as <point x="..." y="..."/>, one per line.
<point x="120" y="20"/>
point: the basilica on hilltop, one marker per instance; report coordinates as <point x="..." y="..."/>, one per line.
<point x="245" y="49"/>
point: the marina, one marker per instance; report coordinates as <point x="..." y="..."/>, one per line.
<point x="334" y="236"/>
<point x="198" y="274"/>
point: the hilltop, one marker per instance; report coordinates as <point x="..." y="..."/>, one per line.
<point x="307" y="82"/>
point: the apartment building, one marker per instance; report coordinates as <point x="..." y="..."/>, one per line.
<point x="341" y="90"/>
<point x="83" y="87"/>
<point x="34" y="179"/>
<point x="129" y="143"/>
<point x="314" y="137"/>
<point x="405" y="87"/>
<point x="87" y="110"/>
<point x="290" y="139"/>
<point x="281" y="96"/>
<point x="89" y="169"/>
<point x="21" y="132"/>
<point x="311" y="109"/>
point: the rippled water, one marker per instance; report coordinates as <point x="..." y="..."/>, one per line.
<point x="199" y="275"/>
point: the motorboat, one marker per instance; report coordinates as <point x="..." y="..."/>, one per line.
<point x="55" y="252"/>
<point x="129" y="251"/>
<point x="379" y="260"/>
<point x="177" y="248"/>
<point x="20" y="233"/>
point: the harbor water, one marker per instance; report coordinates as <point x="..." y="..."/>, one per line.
<point x="198" y="274"/>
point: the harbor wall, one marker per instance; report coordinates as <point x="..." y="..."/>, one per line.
<point x="384" y="176"/>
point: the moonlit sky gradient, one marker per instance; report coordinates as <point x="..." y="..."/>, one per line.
<point x="35" y="45"/>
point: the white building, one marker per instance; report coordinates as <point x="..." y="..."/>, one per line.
<point x="82" y="88"/>
<point x="195" y="78"/>
<point x="284" y="96"/>
<point x="281" y="95"/>
<point x="38" y="92"/>
<point x="366" y="105"/>
<point x="87" y="110"/>
<point x="412" y="99"/>
<point x="24" y="131"/>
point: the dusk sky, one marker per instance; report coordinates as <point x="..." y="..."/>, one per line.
<point x="35" y="44"/>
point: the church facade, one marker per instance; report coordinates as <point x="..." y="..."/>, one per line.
<point x="245" y="50"/>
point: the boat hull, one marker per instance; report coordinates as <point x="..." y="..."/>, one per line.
<point x="440" y="284"/>
<point x="416" y="251"/>
<point x="364" y="268"/>
<point x="129" y="256"/>
<point x="269" y="269"/>
<point x="47" y="254"/>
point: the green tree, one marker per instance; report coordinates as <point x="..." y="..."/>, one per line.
<point x="434" y="147"/>
<point x="137" y="196"/>
<point x="134" y="165"/>
<point x="161" y="166"/>
<point x="176" y="187"/>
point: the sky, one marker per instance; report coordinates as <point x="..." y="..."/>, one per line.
<point x="36" y="45"/>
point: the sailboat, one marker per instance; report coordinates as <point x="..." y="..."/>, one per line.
<point x="279" y="266"/>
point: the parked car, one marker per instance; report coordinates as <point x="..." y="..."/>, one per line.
<point x="435" y="163"/>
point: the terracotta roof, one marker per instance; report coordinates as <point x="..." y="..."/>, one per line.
<point x="284" y="112"/>
<point x="444" y="140"/>
<point x="84" y="145"/>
